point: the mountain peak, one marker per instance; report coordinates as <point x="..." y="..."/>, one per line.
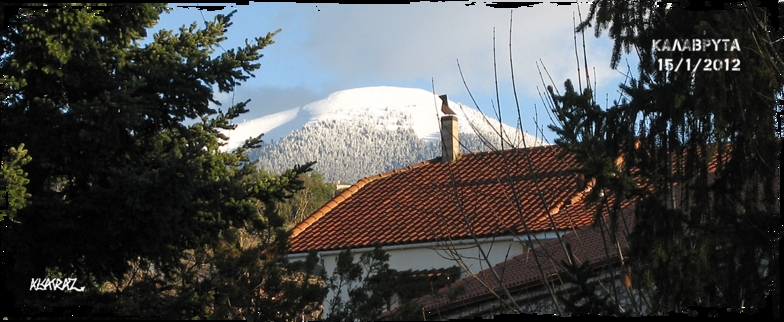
<point x="387" y="107"/>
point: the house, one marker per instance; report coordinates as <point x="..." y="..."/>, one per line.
<point x="482" y="295"/>
<point x="474" y="210"/>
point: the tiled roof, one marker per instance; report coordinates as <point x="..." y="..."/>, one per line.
<point x="521" y="272"/>
<point x="427" y="201"/>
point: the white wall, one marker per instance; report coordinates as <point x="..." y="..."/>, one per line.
<point x="437" y="256"/>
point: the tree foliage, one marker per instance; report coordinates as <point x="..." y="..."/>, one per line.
<point x="587" y="299"/>
<point x="13" y="182"/>
<point x="366" y="300"/>
<point x="698" y="152"/>
<point x="120" y="191"/>
<point x="305" y="202"/>
<point x="243" y="276"/>
<point x="371" y="288"/>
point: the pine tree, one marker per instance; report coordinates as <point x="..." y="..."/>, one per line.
<point x="698" y="148"/>
<point x="118" y="184"/>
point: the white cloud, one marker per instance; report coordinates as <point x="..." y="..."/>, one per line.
<point x="418" y="41"/>
<point x="325" y="48"/>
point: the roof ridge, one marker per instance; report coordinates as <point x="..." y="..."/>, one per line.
<point x="350" y="191"/>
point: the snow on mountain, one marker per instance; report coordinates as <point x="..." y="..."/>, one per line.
<point x="255" y="127"/>
<point x="385" y="106"/>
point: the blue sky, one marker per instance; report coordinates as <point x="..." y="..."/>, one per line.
<point x="324" y="48"/>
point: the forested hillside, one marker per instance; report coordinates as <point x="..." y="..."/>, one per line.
<point x="349" y="151"/>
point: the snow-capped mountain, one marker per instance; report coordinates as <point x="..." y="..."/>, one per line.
<point x="384" y="105"/>
<point x="360" y="132"/>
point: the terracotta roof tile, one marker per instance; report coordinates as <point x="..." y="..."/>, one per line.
<point x="426" y="201"/>
<point x="521" y="271"/>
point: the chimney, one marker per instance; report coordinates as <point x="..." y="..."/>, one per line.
<point x="450" y="146"/>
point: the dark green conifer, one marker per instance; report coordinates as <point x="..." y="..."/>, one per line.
<point x="699" y="151"/>
<point x="118" y="185"/>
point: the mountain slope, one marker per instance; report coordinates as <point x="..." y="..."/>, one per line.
<point x="360" y="132"/>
